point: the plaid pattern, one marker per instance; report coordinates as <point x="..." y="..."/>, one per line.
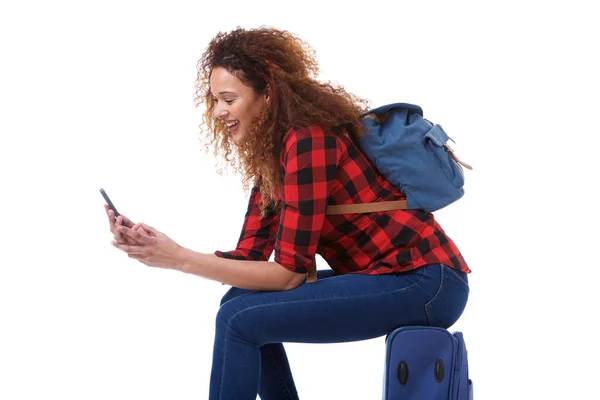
<point x="320" y="169"/>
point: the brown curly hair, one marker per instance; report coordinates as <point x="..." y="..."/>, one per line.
<point x="277" y="61"/>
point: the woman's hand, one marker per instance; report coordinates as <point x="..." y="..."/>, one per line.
<point x="153" y="248"/>
<point x="119" y="238"/>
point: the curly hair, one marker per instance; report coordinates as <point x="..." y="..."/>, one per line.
<point x="286" y="66"/>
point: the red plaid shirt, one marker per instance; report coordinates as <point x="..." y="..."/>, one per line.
<point x="319" y="169"/>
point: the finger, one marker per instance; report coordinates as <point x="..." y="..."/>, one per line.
<point x="129" y="223"/>
<point x="129" y="249"/>
<point x="138" y="228"/>
<point x="145" y="231"/>
<point x="127" y="239"/>
<point x="136" y="235"/>
<point x="138" y="257"/>
<point x="150" y="229"/>
<point x="109" y="212"/>
<point x="111" y="219"/>
<point x="116" y="232"/>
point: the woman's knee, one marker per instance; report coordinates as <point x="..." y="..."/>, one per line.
<point x="233" y="320"/>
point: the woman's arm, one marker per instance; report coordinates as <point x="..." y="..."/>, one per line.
<point x="247" y="266"/>
<point x="310" y="158"/>
<point x="244" y="274"/>
<point x="258" y="233"/>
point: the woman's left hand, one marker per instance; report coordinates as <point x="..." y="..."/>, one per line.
<point x="156" y="249"/>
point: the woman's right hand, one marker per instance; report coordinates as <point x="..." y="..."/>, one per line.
<point x="120" y="238"/>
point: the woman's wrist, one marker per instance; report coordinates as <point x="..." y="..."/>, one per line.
<point x="184" y="256"/>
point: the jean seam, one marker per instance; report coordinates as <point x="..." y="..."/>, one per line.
<point x="281" y="379"/>
<point x="301" y="301"/>
<point x="224" y="362"/>
<point x="237" y="297"/>
<point x="229" y="328"/>
<point x="404" y="289"/>
<point x="427" y="312"/>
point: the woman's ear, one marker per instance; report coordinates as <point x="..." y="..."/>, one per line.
<point x="267" y="93"/>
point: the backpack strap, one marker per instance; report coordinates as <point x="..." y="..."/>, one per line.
<point x="358" y="208"/>
<point x="312" y="271"/>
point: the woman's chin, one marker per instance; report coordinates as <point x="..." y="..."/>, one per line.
<point x="236" y="136"/>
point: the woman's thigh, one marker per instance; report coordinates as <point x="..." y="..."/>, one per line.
<point x="336" y="309"/>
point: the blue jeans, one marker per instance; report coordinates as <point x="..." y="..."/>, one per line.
<point x="249" y="357"/>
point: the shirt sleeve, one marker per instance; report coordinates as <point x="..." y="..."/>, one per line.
<point x="258" y="233"/>
<point x="309" y="159"/>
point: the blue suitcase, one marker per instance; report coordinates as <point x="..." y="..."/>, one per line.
<point x="426" y="363"/>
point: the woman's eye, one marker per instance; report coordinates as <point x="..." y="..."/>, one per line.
<point x="228" y="101"/>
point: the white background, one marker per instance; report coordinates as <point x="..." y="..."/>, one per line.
<point x="99" y="94"/>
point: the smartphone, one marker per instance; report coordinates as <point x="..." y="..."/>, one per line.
<point x="111" y="205"/>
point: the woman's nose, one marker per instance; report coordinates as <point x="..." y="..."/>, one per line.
<point x="219" y="111"/>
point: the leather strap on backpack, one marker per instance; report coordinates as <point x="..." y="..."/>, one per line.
<point x="312" y="271"/>
<point x="359" y="208"/>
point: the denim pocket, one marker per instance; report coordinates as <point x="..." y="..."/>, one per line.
<point x="401" y="281"/>
<point x="449" y="302"/>
<point x="461" y="276"/>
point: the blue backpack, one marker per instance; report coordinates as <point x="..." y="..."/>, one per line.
<point x="426" y="363"/>
<point x="413" y="154"/>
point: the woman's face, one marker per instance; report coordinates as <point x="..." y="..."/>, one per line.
<point x="236" y="105"/>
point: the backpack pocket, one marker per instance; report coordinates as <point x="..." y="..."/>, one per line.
<point x="435" y="144"/>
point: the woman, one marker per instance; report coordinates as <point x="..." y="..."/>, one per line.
<point x="292" y="139"/>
